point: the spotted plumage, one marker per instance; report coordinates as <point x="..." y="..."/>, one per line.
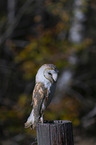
<point x="46" y="78"/>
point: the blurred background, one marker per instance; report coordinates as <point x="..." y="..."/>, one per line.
<point x="35" y="32"/>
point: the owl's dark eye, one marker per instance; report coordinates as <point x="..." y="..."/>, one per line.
<point x="49" y="73"/>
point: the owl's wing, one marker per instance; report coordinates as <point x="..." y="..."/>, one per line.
<point x="40" y="94"/>
<point x="48" y="97"/>
<point x="38" y="97"/>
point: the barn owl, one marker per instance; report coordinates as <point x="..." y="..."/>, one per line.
<point x="46" y="78"/>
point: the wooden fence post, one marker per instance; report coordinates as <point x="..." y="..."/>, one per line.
<point x="57" y="132"/>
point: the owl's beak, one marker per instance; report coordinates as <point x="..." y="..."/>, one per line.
<point x="55" y="75"/>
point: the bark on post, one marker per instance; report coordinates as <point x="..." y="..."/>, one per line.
<point x="56" y="132"/>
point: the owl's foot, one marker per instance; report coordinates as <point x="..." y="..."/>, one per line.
<point x="41" y="119"/>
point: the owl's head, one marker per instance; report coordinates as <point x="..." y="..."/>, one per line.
<point x="47" y="73"/>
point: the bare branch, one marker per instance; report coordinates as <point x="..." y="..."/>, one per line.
<point x="14" y="23"/>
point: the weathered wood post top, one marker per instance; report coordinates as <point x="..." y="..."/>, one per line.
<point x="57" y="132"/>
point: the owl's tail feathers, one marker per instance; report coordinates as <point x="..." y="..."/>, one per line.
<point x="30" y="121"/>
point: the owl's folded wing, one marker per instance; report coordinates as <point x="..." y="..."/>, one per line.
<point x="38" y="98"/>
<point x="40" y="94"/>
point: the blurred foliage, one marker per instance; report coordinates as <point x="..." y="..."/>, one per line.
<point x="42" y="36"/>
<point x="67" y="109"/>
